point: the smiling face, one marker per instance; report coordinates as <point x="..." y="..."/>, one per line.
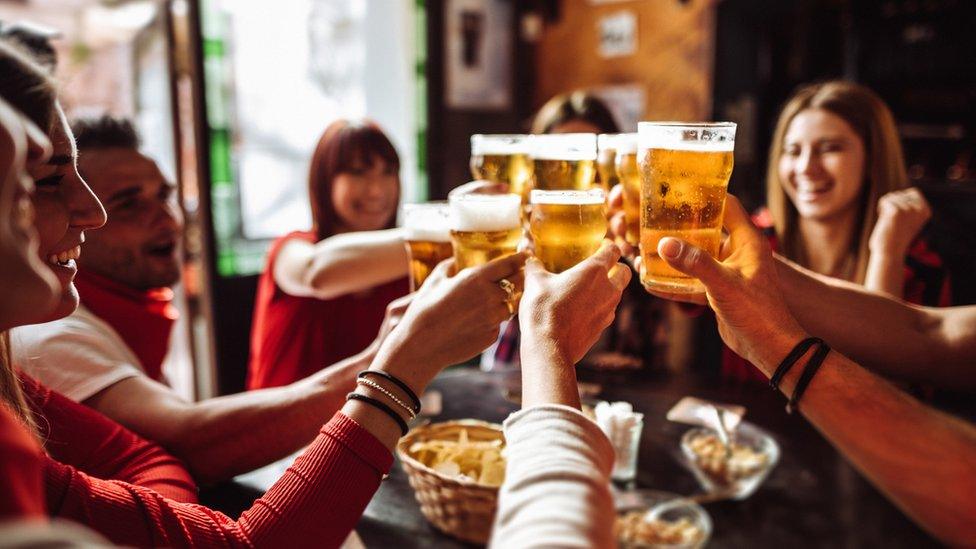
<point x="139" y="245"/>
<point x="28" y="290"/>
<point x="822" y="165"/>
<point x="66" y="208"/>
<point x="365" y="198"/>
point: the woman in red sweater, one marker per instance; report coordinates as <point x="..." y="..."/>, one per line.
<point x="320" y="498"/>
<point x="324" y="292"/>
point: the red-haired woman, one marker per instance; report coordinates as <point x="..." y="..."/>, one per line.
<point x="324" y="292"/>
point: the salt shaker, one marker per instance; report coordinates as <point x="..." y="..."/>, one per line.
<point x="623" y="427"/>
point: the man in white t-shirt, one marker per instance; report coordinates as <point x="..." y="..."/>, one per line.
<point x="110" y="353"/>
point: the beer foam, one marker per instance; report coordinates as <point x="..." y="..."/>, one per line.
<point x="482" y="144"/>
<point x="621" y="143"/>
<point x="430" y="222"/>
<point x="677" y="136"/>
<point x="485" y="212"/>
<point x="427" y="234"/>
<point x="593" y="196"/>
<point x="564" y="146"/>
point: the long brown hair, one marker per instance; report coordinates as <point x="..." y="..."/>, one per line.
<point x="345" y="146"/>
<point x="577" y="105"/>
<point x="28" y="88"/>
<point x="884" y="172"/>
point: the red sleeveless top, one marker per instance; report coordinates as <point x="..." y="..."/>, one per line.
<point x="293" y="337"/>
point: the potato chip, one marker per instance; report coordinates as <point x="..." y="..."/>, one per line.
<point x="480" y="461"/>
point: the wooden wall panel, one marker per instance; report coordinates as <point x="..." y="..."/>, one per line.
<point x="673" y="60"/>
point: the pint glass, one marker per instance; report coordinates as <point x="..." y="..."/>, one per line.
<point x="427" y="232"/>
<point x="625" y="145"/>
<point x="606" y="157"/>
<point x="563" y="162"/>
<point x="503" y="158"/>
<point x="484" y="227"/>
<point x="567" y="226"/>
<point x="685" y="169"/>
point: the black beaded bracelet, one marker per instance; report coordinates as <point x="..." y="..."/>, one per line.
<point x="406" y="388"/>
<point x="788" y="362"/>
<point x="808" y="372"/>
<point x="383" y="408"/>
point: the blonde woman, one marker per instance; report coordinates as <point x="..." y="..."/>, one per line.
<point x="839" y="199"/>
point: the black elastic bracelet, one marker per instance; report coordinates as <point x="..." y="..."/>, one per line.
<point x="382" y="407"/>
<point x="797" y="352"/>
<point x="808" y="372"/>
<point x="406" y="389"/>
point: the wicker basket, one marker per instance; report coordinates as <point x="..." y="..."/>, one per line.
<point x="460" y="508"/>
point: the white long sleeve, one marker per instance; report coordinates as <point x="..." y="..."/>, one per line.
<point x="557" y="483"/>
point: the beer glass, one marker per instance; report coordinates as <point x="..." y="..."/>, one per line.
<point x="484" y="227"/>
<point x="685" y="169"/>
<point x="606" y="157"/>
<point x="564" y="162"/>
<point x="427" y="232"/>
<point x="625" y="145"/>
<point x="567" y="226"/>
<point x="503" y="158"/>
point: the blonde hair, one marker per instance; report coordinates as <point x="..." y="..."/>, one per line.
<point x="884" y="172"/>
<point x="11" y="395"/>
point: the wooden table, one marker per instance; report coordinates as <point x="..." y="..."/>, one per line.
<point x="813" y="498"/>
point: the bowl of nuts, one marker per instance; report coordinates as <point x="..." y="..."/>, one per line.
<point x="655" y="519"/>
<point x="735" y="470"/>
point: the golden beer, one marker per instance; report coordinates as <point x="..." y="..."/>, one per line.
<point x="684" y="171"/>
<point x="424" y="256"/>
<point x="503" y="158"/>
<point x="564" y="162"/>
<point x="427" y="232"/>
<point x="484" y="227"/>
<point x="606" y="161"/>
<point x="567" y="226"/>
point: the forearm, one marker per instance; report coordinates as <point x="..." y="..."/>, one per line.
<point x="888" y="336"/>
<point x="354" y="262"/>
<point x="922" y="459"/>
<point x="556" y="491"/>
<point x="886" y="274"/>
<point x="319" y="498"/>
<point x="547" y="376"/>
<point x="230" y="435"/>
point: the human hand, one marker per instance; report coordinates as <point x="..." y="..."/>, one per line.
<point x="562" y="315"/>
<point x="743" y="289"/>
<point x="901" y="216"/>
<point x="450" y="319"/>
<point x="618" y="222"/>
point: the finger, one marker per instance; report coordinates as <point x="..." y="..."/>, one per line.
<point x="399" y="304"/>
<point x="443" y="270"/>
<point x="606" y="256"/>
<point x="615" y="199"/>
<point x="619" y="276"/>
<point x="502" y="267"/>
<point x="692" y="261"/>
<point x="534" y="268"/>
<point x="698" y="299"/>
<point x="737" y="220"/>
<point x="618" y="225"/>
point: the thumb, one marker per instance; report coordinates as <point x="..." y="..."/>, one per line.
<point x="534" y="268"/>
<point x="692" y="261"/>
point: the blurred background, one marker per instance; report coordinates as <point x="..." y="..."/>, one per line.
<point x="230" y="98"/>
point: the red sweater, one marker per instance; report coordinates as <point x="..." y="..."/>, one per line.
<point x="84" y="439"/>
<point x="316" y="503"/>
<point x="20" y="471"/>
<point x="294" y="337"/>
